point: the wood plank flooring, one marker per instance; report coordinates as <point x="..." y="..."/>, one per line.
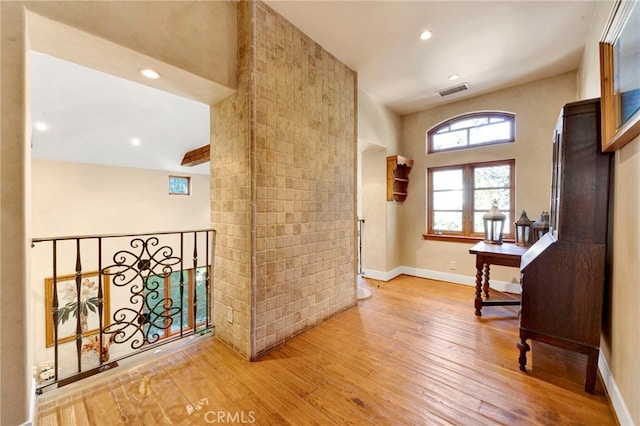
<point x="412" y="354"/>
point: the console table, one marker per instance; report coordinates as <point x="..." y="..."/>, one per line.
<point x="493" y="254"/>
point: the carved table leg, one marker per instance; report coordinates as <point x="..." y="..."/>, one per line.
<point x="485" y="284"/>
<point x="478" y="300"/>
<point x="524" y="348"/>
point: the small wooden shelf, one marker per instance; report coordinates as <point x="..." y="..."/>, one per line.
<point x="398" y="168"/>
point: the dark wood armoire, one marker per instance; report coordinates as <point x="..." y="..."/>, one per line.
<point x="563" y="274"/>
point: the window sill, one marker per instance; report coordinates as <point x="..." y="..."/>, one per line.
<point x="458" y="238"/>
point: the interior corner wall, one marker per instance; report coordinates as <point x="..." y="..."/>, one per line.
<point x="537" y="107"/>
<point x="379" y="132"/>
<point x="232" y="193"/>
<point x="374" y="211"/>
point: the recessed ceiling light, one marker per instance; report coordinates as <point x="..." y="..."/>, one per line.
<point x="135" y="141"/>
<point x="149" y="73"/>
<point x="454" y="77"/>
<point x="425" y="35"/>
<point x="41" y="126"/>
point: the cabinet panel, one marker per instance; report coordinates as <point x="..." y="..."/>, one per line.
<point x="562" y="292"/>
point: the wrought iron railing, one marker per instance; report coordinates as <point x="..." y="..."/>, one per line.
<point x="127" y="293"/>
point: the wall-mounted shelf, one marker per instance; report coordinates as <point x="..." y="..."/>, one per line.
<point x="398" y="168"/>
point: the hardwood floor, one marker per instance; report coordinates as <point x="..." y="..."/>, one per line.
<point x="412" y="354"/>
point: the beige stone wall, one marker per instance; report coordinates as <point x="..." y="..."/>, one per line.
<point x="305" y="156"/>
<point x="283" y="186"/>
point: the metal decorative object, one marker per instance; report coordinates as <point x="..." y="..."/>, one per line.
<point x="523" y="230"/>
<point x="493" y="224"/>
<point x="540" y="226"/>
<point x="145" y="272"/>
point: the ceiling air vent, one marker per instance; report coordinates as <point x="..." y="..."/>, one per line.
<point x="453" y="89"/>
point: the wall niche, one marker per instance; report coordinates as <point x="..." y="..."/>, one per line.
<point x="398" y="168"/>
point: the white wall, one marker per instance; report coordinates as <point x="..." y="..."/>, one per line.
<point x="86" y="199"/>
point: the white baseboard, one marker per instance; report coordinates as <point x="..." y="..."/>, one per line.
<point x="503" y="286"/>
<point x="619" y="406"/>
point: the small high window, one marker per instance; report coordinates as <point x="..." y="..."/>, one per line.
<point x="180" y="185"/>
<point x="469" y="130"/>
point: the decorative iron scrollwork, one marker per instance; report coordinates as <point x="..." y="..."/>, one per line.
<point x="144" y="270"/>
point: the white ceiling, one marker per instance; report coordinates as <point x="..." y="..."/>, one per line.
<point x="92" y="117"/>
<point x="491" y="45"/>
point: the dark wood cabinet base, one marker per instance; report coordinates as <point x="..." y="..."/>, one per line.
<point x="591" y="352"/>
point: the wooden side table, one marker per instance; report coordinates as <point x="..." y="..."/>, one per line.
<point x="493" y="254"/>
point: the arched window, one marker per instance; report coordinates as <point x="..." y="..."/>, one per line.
<point x="470" y="130"/>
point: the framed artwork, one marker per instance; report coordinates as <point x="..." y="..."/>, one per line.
<point x="620" y="76"/>
<point x="68" y="309"/>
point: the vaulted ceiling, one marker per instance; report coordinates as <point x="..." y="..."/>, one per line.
<point x="93" y="117"/>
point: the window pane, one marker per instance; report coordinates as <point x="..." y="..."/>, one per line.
<point x="492" y="177"/>
<point x="447" y="221"/>
<point x="471" y="130"/>
<point x="449" y="140"/>
<point x="489" y="133"/>
<point x="179" y="185"/>
<point x="447" y="179"/>
<point x="447" y="200"/>
<point x="201" y="289"/>
<point x="175" y="297"/>
<point x="471" y="122"/>
<point x="153" y="308"/>
<point x="482" y="199"/>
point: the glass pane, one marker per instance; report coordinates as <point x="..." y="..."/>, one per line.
<point x="449" y="140"/>
<point x="447" y="200"/>
<point x="201" y="290"/>
<point x="470" y="122"/>
<point x="179" y="185"/>
<point x="482" y="199"/>
<point x="492" y="177"/>
<point x="489" y="133"/>
<point x="175" y="297"/>
<point x="447" y="221"/>
<point x="447" y="179"/>
<point x="478" y="224"/>
<point x="154" y="294"/>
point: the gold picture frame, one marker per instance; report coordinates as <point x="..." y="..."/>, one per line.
<point x="620" y="76"/>
<point x="66" y="286"/>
